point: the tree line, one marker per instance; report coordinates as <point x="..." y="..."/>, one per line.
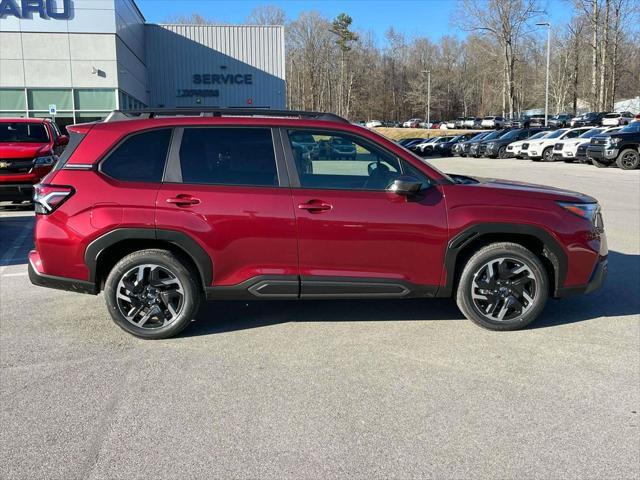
<point x="499" y="66"/>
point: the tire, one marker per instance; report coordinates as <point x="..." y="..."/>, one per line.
<point x="502" y="152"/>
<point x="547" y="155"/>
<point x="599" y="164"/>
<point x="628" y="159"/>
<point x="162" y="272"/>
<point x="504" y="258"/>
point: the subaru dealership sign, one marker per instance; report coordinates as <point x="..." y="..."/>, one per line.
<point x="27" y="9"/>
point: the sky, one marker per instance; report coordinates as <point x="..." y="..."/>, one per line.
<point x="430" y="18"/>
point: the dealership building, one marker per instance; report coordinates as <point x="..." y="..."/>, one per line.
<point x="77" y="60"/>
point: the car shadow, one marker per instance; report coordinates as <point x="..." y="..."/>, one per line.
<point x="16" y="238"/>
<point x="618" y="297"/>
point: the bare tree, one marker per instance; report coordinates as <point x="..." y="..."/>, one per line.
<point x="267" y="15"/>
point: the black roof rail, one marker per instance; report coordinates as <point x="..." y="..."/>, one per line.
<point x="117" y="115"/>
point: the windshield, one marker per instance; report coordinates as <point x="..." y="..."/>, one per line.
<point x="23" y="132"/>
<point x="558" y="133"/>
<point x="612" y="115"/>
<point x="539" y="135"/>
<point x="479" y="136"/>
<point x="631" y="128"/>
<point x="591" y="133"/>
<point x="495" y="134"/>
<point x="510" y="134"/>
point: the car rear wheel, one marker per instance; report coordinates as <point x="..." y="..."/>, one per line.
<point x="152" y="294"/>
<point x="628" y="159"/>
<point x="503" y="286"/>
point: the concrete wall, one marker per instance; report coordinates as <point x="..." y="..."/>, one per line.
<point x="175" y="53"/>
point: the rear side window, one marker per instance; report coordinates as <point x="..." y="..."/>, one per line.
<point x="228" y="156"/>
<point x="140" y="158"/>
<point x="74" y="141"/>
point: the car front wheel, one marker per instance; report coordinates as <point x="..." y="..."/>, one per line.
<point x="628" y="159"/>
<point x="152" y="294"/>
<point x="503" y="286"/>
<point x="547" y="154"/>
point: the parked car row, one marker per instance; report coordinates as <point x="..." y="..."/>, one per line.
<point x="602" y="145"/>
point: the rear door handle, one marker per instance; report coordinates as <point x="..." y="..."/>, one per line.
<point x="315" y="206"/>
<point x="183" y="200"/>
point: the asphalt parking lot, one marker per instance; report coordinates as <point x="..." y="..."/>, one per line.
<point x="360" y="389"/>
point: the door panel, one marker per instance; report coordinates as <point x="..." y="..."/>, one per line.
<point x="246" y="231"/>
<point x="372" y="235"/>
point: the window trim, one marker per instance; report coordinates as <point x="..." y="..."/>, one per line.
<point x="112" y="149"/>
<point x="173" y="170"/>
<point x="294" y="177"/>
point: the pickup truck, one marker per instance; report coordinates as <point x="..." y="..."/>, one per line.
<point x="621" y="147"/>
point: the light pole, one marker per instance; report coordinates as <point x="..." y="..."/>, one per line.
<point x="428" y="72"/>
<point x="546" y="89"/>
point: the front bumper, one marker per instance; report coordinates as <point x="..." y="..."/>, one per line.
<point x="16" y="191"/>
<point x="596" y="281"/>
<point x="599" y="152"/>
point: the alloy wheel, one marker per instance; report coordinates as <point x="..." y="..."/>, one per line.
<point x="504" y="289"/>
<point x="150" y="296"/>
<point x="629" y="160"/>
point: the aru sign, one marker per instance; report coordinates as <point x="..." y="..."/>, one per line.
<point x="26" y="9"/>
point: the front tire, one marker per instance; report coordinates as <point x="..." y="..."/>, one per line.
<point x="628" y="159"/>
<point x="547" y="154"/>
<point x="502" y="152"/>
<point x="152" y="294"/>
<point x="503" y="286"/>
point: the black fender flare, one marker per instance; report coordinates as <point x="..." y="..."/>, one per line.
<point x="183" y="241"/>
<point x="552" y="249"/>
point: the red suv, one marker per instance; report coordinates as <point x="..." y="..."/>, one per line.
<point x="163" y="209"/>
<point x="29" y="148"/>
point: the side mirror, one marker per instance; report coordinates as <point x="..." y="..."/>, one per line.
<point x="63" y="140"/>
<point x="405" y="185"/>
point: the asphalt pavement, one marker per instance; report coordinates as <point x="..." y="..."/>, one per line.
<point x="334" y="389"/>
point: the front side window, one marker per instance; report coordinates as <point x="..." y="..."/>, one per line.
<point x="340" y="161"/>
<point x="228" y="156"/>
<point x="140" y="158"/>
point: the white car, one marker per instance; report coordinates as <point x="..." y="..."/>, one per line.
<point x="514" y="148"/>
<point x="616" y="119"/>
<point x="492" y="122"/>
<point x="412" y="123"/>
<point x="373" y="124"/>
<point x="451" y="124"/>
<point x="542" y="149"/>
<point x="567" y="149"/>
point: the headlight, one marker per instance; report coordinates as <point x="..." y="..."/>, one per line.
<point x="45" y="161"/>
<point x="588" y="211"/>
<point x="613" y="140"/>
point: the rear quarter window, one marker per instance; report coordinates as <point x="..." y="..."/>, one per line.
<point x="139" y="158"/>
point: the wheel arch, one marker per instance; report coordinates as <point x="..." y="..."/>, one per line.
<point x="105" y="251"/>
<point x="462" y="246"/>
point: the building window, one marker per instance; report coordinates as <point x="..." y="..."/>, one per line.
<point x="95" y="99"/>
<point x="12" y="99"/>
<point x="40" y="99"/>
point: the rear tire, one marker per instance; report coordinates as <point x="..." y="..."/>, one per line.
<point x="153" y="294"/>
<point x="628" y="159"/>
<point x="503" y="286"/>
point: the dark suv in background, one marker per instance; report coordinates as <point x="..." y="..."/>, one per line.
<point x="621" y="148"/>
<point x="164" y="209"/>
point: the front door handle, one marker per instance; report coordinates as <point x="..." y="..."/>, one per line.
<point x="315" y="206"/>
<point x="183" y="200"/>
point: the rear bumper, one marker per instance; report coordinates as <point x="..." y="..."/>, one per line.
<point x="595" y="282"/>
<point x="59" y="283"/>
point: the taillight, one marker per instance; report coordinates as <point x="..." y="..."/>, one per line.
<point x="47" y="198"/>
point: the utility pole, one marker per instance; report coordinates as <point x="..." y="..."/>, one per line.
<point x="546" y="90"/>
<point x="428" y="72"/>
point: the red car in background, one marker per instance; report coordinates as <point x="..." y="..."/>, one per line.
<point x="29" y="148"/>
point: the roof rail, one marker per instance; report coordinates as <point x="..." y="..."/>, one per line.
<point x="117" y="115"/>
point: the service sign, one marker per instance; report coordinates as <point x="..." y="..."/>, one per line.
<point x="27" y="9"/>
